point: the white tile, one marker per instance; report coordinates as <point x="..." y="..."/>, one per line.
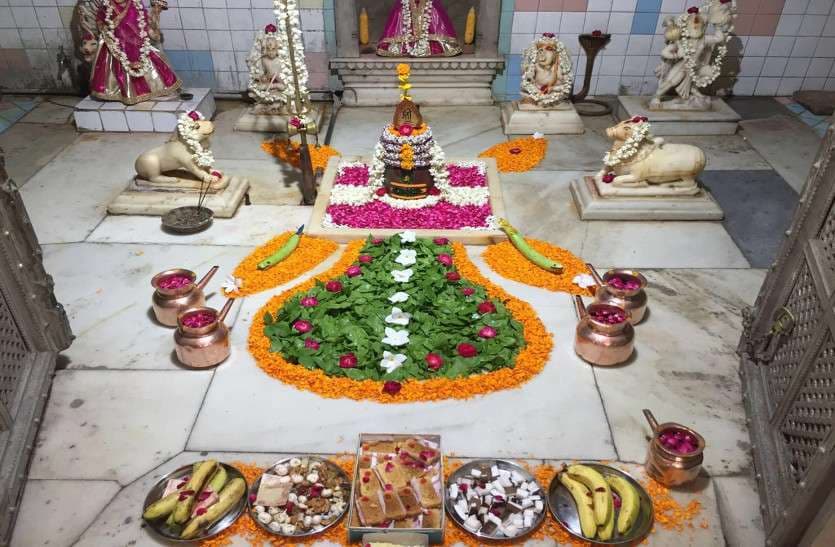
<point x="139" y="121"/>
<point x="242" y="41"/>
<point x="220" y="40"/>
<point x="24" y="16"/>
<point x="788" y="25"/>
<point x="113" y="120"/>
<point x="739" y="509"/>
<point x="788" y="86"/>
<point x="767" y="86"/>
<point x="829" y="28"/>
<point x="164" y="122"/>
<point x="520" y="42"/>
<point x="112" y="105"/>
<point x="175" y="39"/>
<point x="672" y="6"/>
<point x="795" y="6"/>
<point x="812" y="25"/>
<point x="10" y="38"/>
<point x="758" y="45"/>
<point x="751" y="66"/>
<point x="572" y="21"/>
<point x="223" y="60"/>
<point x="805" y="46"/>
<point x="607" y="85"/>
<point x="611" y="65"/>
<point x="216" y="3"/>
<point x="620" y="22"/>
<point x="820" y="66"/>
<point x="819" y="7"/>
<point x="192" y="18"/>
<point x="599" y="5"/>
<point x="548" y="21"/>
<point x="825" y="47"/>
<point x="813" y="83"/>
<point x="617" y="46"/>
<point x="108" y="425"/>
<point x="774" y="66"/>
<point x="781" y="46"/>
<point x="216" y="19"/>
<point x="634" y="65"/>
<point x="48" y="17"/>
<point x="745" y="86"/>
<point x="240" y="19"/>
<point x="639" y="45"/>
<point x="796" y="67"/>
<point x="596" y="21"/>
<point x="32" y="38"/>
<point x="87" y="120"/>
<point x="312" y="19"/>
<point x="314" y="41"/>
<point x="71" y="506"/>
<point x="170" y="19"/>
<point x="524" y="22"/>
<point x="197" y="40"/>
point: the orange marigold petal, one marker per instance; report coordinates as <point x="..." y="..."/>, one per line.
<point x="288" y="152"/>
<point x="518" y="155"/>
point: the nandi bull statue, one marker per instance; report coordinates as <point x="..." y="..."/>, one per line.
<point x="640" y="164"/>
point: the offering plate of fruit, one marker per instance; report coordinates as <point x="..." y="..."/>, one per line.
<point x="195" y="502"/>
<point x="601" y="504"/>
<point x="495" y="499"/>
<point x="300" y="496"/>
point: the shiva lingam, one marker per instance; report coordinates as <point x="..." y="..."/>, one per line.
<point x="202" y="339"/>
<point x="675" y="452"/>
<point x="624" y="289"/>
<point x="591" y="43"/>
<point x="604" y="335"/>
<point x="176" y="291"/>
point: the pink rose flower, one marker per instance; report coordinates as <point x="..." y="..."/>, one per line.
<point x="468" y="291"/>
<point x="269" y="29"/>
<point x="349" y="360"/>
<point x="487" y="332"/>
<point x="391" y="387"/>
<point x="310" y="343"/>
<point x="434" y="361"/>
<point x="608" y="177"/>
<point x="445" y="259"/>
<point x="405" y="130"/>
<point x="453" y="276"/>
<point x="353" y="271"/>
<point x="366" y="259"/>
<point x="302" y="326"/>
<point x="486" y="307"/>
<point x="333" y="286"/>
<point x="440" y="241"/>
<point x="467" y="350"/>
<point x="309" y="302"/>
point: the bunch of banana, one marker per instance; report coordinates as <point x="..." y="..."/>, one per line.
<point x="527" y="251"/>
<point x="283" y="252"/>
<point x="592" y="492"/>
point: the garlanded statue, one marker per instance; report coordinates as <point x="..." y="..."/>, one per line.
<point x="184" y="162"/>
<point x="546" y="72"/>
<point x="266" y="82"/>
<point x="637" y="160"/>
<point x="693" y="57"/>
<point x="418" y="28"/>
<point x="127" y="65"/>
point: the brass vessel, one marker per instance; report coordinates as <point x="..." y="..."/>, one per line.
<point x="602" y="343"/>
<point x="634" y="301"/>
<point x="168" y="303"/>
<point x="205" y="346"/>
<point x="667" y="466"/>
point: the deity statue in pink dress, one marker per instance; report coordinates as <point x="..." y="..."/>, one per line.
<point x="128" y="67"/>
<point x="418" y="28"/>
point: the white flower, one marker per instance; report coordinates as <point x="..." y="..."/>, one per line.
<point x="475" y="316"/>
<point x="407" y="257"/>
<point x="396" y="337"/>
<point x="402" y="276"/>
<point x="398" y="317"/>
<point x="538" y="135"/>
<point x="232" y="284"/>
<point x="392" y="361"/>
<point x="408" y="236"/>
<point x="584" y="280"/>
<point x="398" y="297"/>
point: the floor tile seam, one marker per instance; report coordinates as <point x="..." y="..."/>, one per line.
<point x="99" y="514"/>
<point x="605" y="413"/>
<point x="153" y="244"/>
<point x="44" y="166"/>
<point x="200" y="408"/>
<point x="468" y="137"/>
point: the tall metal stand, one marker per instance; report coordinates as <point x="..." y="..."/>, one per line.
<point x="591" y="44"/>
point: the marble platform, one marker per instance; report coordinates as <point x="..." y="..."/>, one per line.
<point x="720" y="120"/>
<point x="263" y="123"/>
<point x="158" y="116"/>
<point x="139" y="200"/>
<point x="592" y="205"/>
<point x="522" y="119"/>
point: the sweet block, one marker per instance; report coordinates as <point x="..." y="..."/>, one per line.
<point x="154" y="116"/>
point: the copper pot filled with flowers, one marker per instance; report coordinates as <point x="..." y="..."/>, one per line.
<point x="177" y="290"/>
<point x="622" y="288"/>
<point x="675" y="452"/>
<point x="202" y="339"/>
<point x="604" y="335"/>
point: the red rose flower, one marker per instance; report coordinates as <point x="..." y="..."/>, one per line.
<point x="468" y="291"/>
<point x="596" y="33"/>
<point x="692" y="10"/>
<point x="453" y="276"/>
<point x="434" y="361"/>
<point x="467" y="350"/>
<point x="302" y="326"/>
<point x="217" y="174"/>
<point x="608" y="177"/>
<point x="310" y="343"/>
<point x="269" y="29"/>
<point x="194" y="115"/>
<point x="295" y="122"/>
<point x="405" y="130"/>
<point x="381" y="191"/>
<point x="548" y="34"/>
<point x="391" y="387"/>
<point x="333" y="286"/>
<point x="434" y="191"/>
<point x="486" y="307"/>
<point x="445" y="259"/>
<point x="349" y="360"/>
<point x="353" y="271"/>
<point x="487" y="332"/>
<point x="515" y="151"/>
<point x="440" y="241"/>
<point x="366" y="259"/>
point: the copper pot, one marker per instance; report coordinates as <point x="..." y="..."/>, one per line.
<point x="634" y="300"/>
<point x="667" y="466"/>
<point x="205" y="345"/>
<point x="168" y="303"/>
<point x="602" y="343"/>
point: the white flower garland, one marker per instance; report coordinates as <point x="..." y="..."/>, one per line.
<point x="421" y="46"/>
<point x="287" y="13"/>
<point x="187" y="128"/>
<point x="256" y="71"/>
<point x="558" y="93"/>
<point x="116" y="49"/>
<point x="689" y="52"/>
<point x="630" y="147"/>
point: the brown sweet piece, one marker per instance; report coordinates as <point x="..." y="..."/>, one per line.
<point x="365" y="462"/>
<point x="419" y="452"/>
<point x="407" y="522"/>
<point x="409" y="500"/>
<point x="319" y="505"/>
<point x="427" y="495"/>
<point x="432" y="519"/>
<point x="393" y="506"/>
<point x="370" y="509"/>
<point x="369" y="483"/>
<point x="394" y="473"/>
<point x="379" y="447"/>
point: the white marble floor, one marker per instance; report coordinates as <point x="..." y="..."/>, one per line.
<point x="122" y="412"/>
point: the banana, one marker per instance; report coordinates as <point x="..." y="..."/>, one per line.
<point x="630" y="502"/>
<point x="285" y="250"/>
<point x="594" y="481"/>
<point x="527" y="251"/>
<point x="583" y="499"/>
<point x="218" y="480"/>
<point x="606" y="531"/>
<point x="228" y="497"/>
<point x="162" y="507"/>
<point x="194" y="485"/>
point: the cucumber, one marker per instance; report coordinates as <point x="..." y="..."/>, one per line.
<point x="527" y="251"/>
<point x="285" y="250"/>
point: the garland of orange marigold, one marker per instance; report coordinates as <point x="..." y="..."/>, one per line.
<point x="518" y="155"/>
<point x="504" y="259"/>
<point x="407" y="157"/>
<point x="288" y="152"/>
<point x="311" y="252"/>
<point x="529" y="362"/>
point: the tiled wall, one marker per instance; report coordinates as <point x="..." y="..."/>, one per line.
<point x="782" y="45"/>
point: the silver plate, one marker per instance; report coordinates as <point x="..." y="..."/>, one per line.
<point x="488" y="463"/>
<point x="562" y="506"/>
<point x="346" y="486"/>
<point x="172" y="533"/>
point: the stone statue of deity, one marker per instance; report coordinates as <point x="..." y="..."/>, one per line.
<point x="128" y="65"/>
<point x="693" y="56"/>
<point x="418" y="28"/>
<point x="266" y="86"/>
<point x="546" y="72"/>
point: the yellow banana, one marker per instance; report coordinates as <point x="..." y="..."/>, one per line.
<point x="630" y="503"/>
<point x="582" y="497"/>
<point x="606" y="531"/>
<point x="162" y="507"/>
<point x="602" y="496"/>
<point x="191" y="489"/>
<point x="227" y="498"/>
<point x="527" y="251"/>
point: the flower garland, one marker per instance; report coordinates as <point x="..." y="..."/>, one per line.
<point x="559" y="92"/>
<point x="144" y="63"/>
<point x="688" y="51"/>
<point x="418" y="46"/>
<point x="256" y="69"/>
<point x="437" y="159"/>
<point x="407" y="156"/>
<point x="287" y="16"/>
<point x="631" y="146"/>
<point x="188" y="127"/>
<point x="504" y="259"/>
<point x="518" y="155"/>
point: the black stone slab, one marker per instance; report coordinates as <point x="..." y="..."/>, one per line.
<point x="758" y="208"/>
<point x="754" y="108"/>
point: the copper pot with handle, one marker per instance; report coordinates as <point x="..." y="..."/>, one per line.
<point x="632" y="299"/>
<point x="202" y="339"/>
<point x="600" y="341"/>
<point x="170" y="299"/>
<point x="668" y="465"/>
